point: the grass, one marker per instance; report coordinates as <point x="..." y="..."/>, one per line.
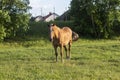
<point x="35" y="60"/>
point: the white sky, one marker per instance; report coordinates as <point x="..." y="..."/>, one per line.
<point x="46" y="6"/>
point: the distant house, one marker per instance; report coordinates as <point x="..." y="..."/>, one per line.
<point x="50" y="17"/>
<point x="38" y="18"/>
<point x="65" y="16"/>
<point x="47" y="18"/>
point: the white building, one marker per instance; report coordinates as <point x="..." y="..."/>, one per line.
<point x="47" y="18"/>
<point x="38" y="18"/>
<point x="50" y="17"/>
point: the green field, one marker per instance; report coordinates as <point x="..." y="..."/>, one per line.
<point x="35" y="60"/>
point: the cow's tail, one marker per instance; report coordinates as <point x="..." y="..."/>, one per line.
<point x="75" y="36"/>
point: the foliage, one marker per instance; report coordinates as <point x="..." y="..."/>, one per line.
<point x="35" y="60"/>
<point x="38" y="29"/>
<point x="95" y="17"/>
<point x="3" y="18"/>
<point x="13" y="16"/>
<point x="41" y="28"/>
<point x="2" y="32"/>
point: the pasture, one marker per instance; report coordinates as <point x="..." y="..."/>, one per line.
<point x="35" y="60"/>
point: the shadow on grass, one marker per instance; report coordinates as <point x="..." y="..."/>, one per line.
<point x="80" y="58"/>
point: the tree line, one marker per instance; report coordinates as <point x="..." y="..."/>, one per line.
<point x="96" y="18"/>
<point x="14" y="17"/>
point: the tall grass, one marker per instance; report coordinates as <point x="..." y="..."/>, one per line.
<point x="35" y="60"/>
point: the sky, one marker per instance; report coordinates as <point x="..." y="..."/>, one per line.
<point x="43" y="7"/>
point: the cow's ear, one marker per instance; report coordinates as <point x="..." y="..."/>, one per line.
<point x="52" y="24"/>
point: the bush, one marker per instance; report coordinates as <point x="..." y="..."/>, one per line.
<point x="2" y="32"/>
<point x="41" y="29"/>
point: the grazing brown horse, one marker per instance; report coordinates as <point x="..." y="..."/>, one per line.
<point x="61" y="37"/>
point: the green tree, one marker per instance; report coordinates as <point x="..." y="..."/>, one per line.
<point x="13" y="17"/>
<point x="95" y="17"/>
